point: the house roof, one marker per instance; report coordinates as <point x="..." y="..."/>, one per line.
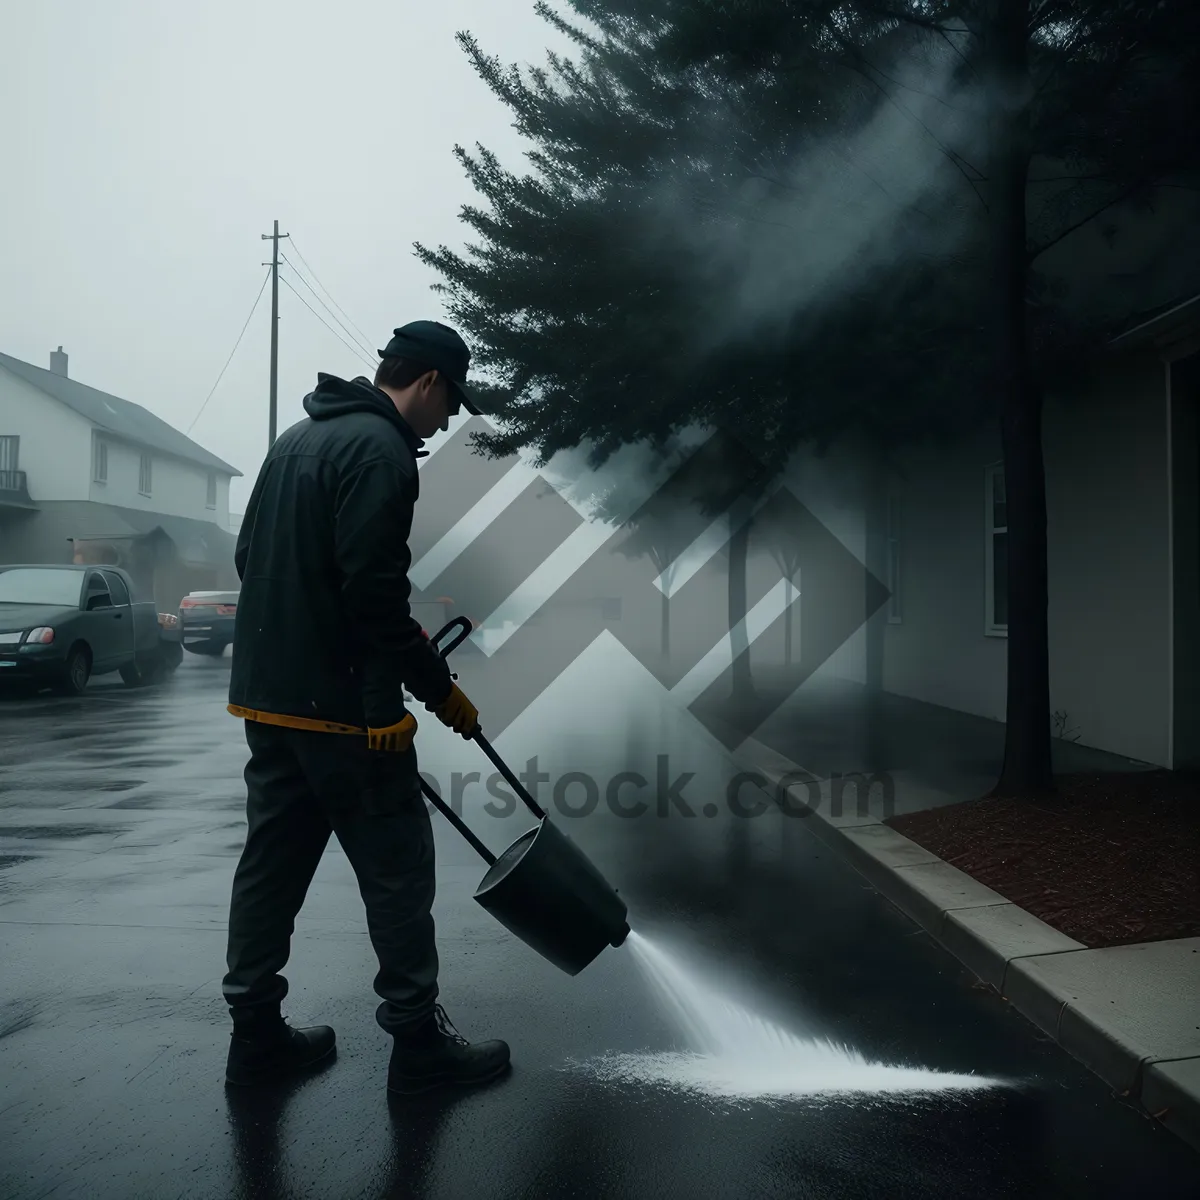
<point x="117" y="416"/>
<point x="1167" y="320"/>
<point x="196" y="541"/>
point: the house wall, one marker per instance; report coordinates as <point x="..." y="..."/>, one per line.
<point x="1109" y="570"/>
<point x="939" y="652"/>
<point x="55" y="450"/>
<point x="1109" y="529"/>
<point x="177" y="488"/>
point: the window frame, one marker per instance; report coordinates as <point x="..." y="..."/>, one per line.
<point x="990" y="531"/>
<point x="210" y="493"/>
<point x="99" y="460"/>
<point x="115" y="581"/>
<point x="89" y="591"/>
<point x="145" y="475"/>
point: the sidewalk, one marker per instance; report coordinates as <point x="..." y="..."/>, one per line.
<point x="1130" y="1013"/>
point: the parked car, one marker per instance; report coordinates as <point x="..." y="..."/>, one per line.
<point x="60" y="625"/>
<point x="207" y="619"/>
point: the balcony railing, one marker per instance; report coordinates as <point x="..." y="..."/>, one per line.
<point x="13" y="481"/>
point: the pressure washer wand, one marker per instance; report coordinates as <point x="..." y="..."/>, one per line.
<point x="543" y="888"/>
<point x="502" y="767"/>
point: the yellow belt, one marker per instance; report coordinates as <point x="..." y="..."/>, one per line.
<point x="266" y="718"/>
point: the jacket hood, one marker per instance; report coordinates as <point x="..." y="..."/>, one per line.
<point x="334" y="397"/>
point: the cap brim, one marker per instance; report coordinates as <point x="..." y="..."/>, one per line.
<point x="464" y="399"/>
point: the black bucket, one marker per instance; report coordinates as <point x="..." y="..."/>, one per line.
<point x="544" y="889"/>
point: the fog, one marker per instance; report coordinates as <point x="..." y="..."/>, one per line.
<point x="148" y="146"/>
<point x="788" y="237"/>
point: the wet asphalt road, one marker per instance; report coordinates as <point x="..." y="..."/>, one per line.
<point x="121" y="816"/>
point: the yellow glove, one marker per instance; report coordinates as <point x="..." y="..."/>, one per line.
<point x="457" y="712"/>
<point x="395" y="738"/>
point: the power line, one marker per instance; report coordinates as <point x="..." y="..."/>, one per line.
<point x="231" y="353"/>
<point x="357" y="350"/>
<point x="362" y="346"/>
<point x="366" y="340"/>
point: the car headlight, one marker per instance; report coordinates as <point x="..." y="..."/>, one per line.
<point x="42" y="636"/>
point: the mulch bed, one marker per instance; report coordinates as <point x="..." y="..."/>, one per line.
<point x="1113" y="859"/>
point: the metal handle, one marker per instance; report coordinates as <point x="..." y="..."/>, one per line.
<point x="463" y="624"/>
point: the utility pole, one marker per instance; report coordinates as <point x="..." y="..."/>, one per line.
<point x="273" y="238"/>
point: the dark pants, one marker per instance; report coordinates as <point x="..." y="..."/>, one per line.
<point x="301" y="787"/>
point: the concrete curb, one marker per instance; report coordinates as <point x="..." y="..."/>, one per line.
<point x="1043" y="973"/>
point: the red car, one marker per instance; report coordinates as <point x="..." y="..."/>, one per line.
<point x="206" y="621"/>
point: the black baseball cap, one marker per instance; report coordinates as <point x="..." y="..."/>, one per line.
<point x="439" y="348"/>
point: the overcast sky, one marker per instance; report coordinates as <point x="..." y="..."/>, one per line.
<point x="147" y="145"/>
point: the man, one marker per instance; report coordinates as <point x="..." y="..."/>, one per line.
<point x="324" y="646"/>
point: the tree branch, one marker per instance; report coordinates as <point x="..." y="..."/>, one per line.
<point x="856" y="54"/>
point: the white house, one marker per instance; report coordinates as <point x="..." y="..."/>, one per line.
<point x="87" y="476"/>
<point x="1123" y="527"/>
<point x="1121" y="448"/>
<point x="1122" y="463"/>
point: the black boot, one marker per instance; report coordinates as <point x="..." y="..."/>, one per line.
<point x="267" y="1050"/>
<point x="436" y="1055"/>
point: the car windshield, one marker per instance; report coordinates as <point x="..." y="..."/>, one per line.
<point x="36" y="585"/>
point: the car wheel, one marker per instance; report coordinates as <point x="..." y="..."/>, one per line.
<point x="140" y="673"/>
<point x="78" y="672"/>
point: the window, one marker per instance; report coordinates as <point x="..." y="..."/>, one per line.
<point x="996" y="554"/>
<point x="211" y="498"/>
<point x="98" y="595"/>
<point x="116" y="585"/>
<point x="100" y="463"/>
<point x="893" y="561"/>
<point x="10" y="478"/>
<point x="144" y="475"/>
<point x="39" y="585"/>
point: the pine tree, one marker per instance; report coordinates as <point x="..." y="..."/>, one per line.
<point x="1105" y="92"/>
<point x="591" y="326"/>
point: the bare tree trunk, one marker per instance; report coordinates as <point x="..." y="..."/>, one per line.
<point x="739" y="548"/>
<point x="787" y="623"/>
<point x="1027" y="770"/>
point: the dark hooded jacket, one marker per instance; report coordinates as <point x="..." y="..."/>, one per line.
<point x="324" y="630"/>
